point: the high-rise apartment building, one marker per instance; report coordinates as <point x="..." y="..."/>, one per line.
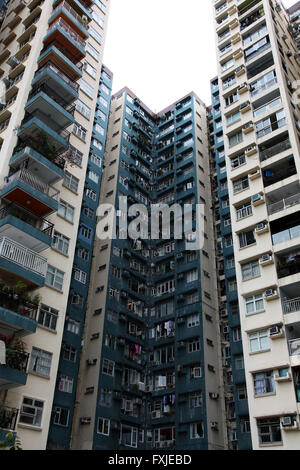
<point x="237" y="413"/>
<point x="151" y="371"/>
<point x="258" y="71"/>
<point x="50" y="63"/>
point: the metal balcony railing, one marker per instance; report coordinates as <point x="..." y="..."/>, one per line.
<point x="274" y="150"/>
<point x="294" y="347"/>
<point x="41" y="224"/>
<point x="59" y="73"/>
<point x="19" y="254"/>
<point x="70" y="32"/>
<point x="283" y="204"/>
<point x="55" y="97"/>
<point x="291" y="305"/>
<point x="9" y="300"/>
<point x="8" y="418"/>
<point x="71" y="10"/>
<point x="27" y="177"/>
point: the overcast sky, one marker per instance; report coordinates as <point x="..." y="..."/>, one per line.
<point x="162" y="49"/>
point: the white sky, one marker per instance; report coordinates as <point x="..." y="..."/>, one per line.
<point x="162" y="49"/>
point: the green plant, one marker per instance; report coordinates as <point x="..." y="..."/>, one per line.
<point x="36" y="299"/>
<point x="20" y="287"/>
<point x="6" y="289"/>
<point x="11" y="442"/>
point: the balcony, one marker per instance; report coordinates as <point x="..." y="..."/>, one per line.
<point x="63" y="34"/>
<point x="61" y="57"/>
<point x="41" y="158"/>
<point x="57" y="81"/>
<point x="28" y="190"/>
<point x="81" y="7"/>
<point x="289" y="264"/>
<point x="283" y="204"/>
<point x="13" y="372"/>
<point x="34" y="125"/>
<point x="71" y="17"/>
<point x="291" y="305"/>
<point x="279" y="172"/>
<point x="17" y="313"/>
<point x="8" y="420"/>
<point x="266" y="152"/>
<point x="47" y="102"/>
<point x="25" y="227"/>
<point x="294" y="347"/>
<point x="20" y="263"/>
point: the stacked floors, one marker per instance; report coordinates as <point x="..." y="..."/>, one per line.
<point x="258" y="68"/>
<point x="150" y="374"/>
<point x="46" y="123"/>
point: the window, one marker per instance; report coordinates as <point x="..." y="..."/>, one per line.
<point x="259" y="341"/>
<point x="195" y="372"/>
<point x="98" y="19"/>
<point x="77" y="300"/>
<point x="65" y="384"/>
<point x="54" y="278"/>
<point x="65" y="210"/>
<point x="241" y="391"/>
<point x="61" y="243"/>
<point x="103" y="426"/>
<point x="269" y="430"/>
<point x="129" y="435"/>
<point x="71" y="182"/>
<point x="83" y="253"/>
<point x="108" y="367"/>
<point x="238" y="161"/>
<point x="105" y="397"/>
<point x="68" y="353"/>
<point x="61" y="416"/>
<point x="73" y="326"/>
<point x="48" y="317"/>
<point x="254" y="304"/>
<point x="40" y="362"/>
<point x="236" y="334"/>
<point x="233" y="117"/>
<point x="239" y="362"/>
<point x="263" y="383"/>
<point x="193" y="320"/>
<point x="91" y="194"/>
<point x="245" y="425"/>
<point x="196" y="430"/>
<point x="95" y="34"/>
<point x="86" y="232"/>
<point x="250" y="270"/>
<point x="192" y="276"/>
<point x="103" y="102"/>
<point x="246" y="238"/>
<point x="235" y="139"/>
<point x="244" y="210"/>
<point x="240" y="184"/>
<point x="88" y="89"/>
<point x="194" y="345"/>
<point x="91" y="50"/>
<point x="231" y="99"/>
<point x="83" y="109"/>
<point x="31" y="412"/>
<point x="80" y="276"/>
<point x="95" y="159"/>
<point x="99" y="129"/>
<point x="195" y="399"/>
<point x="97" y="144"/>
<point x="90" y="70"/>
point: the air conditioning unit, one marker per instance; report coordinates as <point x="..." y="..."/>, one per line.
<point x="284" y="37"/>
<point x="262" y="227"/>
<point x="266" y="259"/>
<point x="214" y="425"/>
<point x="251" y="150"/>
<point x="289" y="53"/>
<point x="276" y="330"/>
<point x="254" y="175"/>
<point x="271" y="294"/>
<point x="156" y="414"/>
<point x="91" y="362"/>
<point x="149" y="388"/>
<point x="257" y="199"/>
<point x="214" y="396"/>
<point x="289" y="422"/>
<point x="85" y="420"/>
<point x="141" y="387"/>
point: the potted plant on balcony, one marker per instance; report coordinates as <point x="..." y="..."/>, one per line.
<point x="19" y="289"/>
<point x="15" y="354"/>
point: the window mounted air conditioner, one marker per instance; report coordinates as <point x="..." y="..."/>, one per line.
<point x="214" y="396"/>
<point x="266" y="259"/>
<point x="289" y="422"/>
<point x="156" y="414"/>
<point x="276" y="330"/>
<point x="214" y="425"/>
<point x="262" y="228"/>
<point x="271" y="294"/>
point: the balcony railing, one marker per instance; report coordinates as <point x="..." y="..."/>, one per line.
<point x="274" y="150"/>
<point x="71" y="10"/>
<point x="283" y="204"/>
<point x="8" y="418"/>
<point x="16" y="359"/>
<point x="41" y="224"/>
<point x="59" y="73"/>
<point x="49" y="92"/>
<point x="27" y="177"/>
<point x="291" y="305"/>
<point x="15" y="303"/>
<point x="19" y="254"/>
<point x="70" y="32"/>
<point x="286" y="235"/>
<point x="294" y="347"/>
